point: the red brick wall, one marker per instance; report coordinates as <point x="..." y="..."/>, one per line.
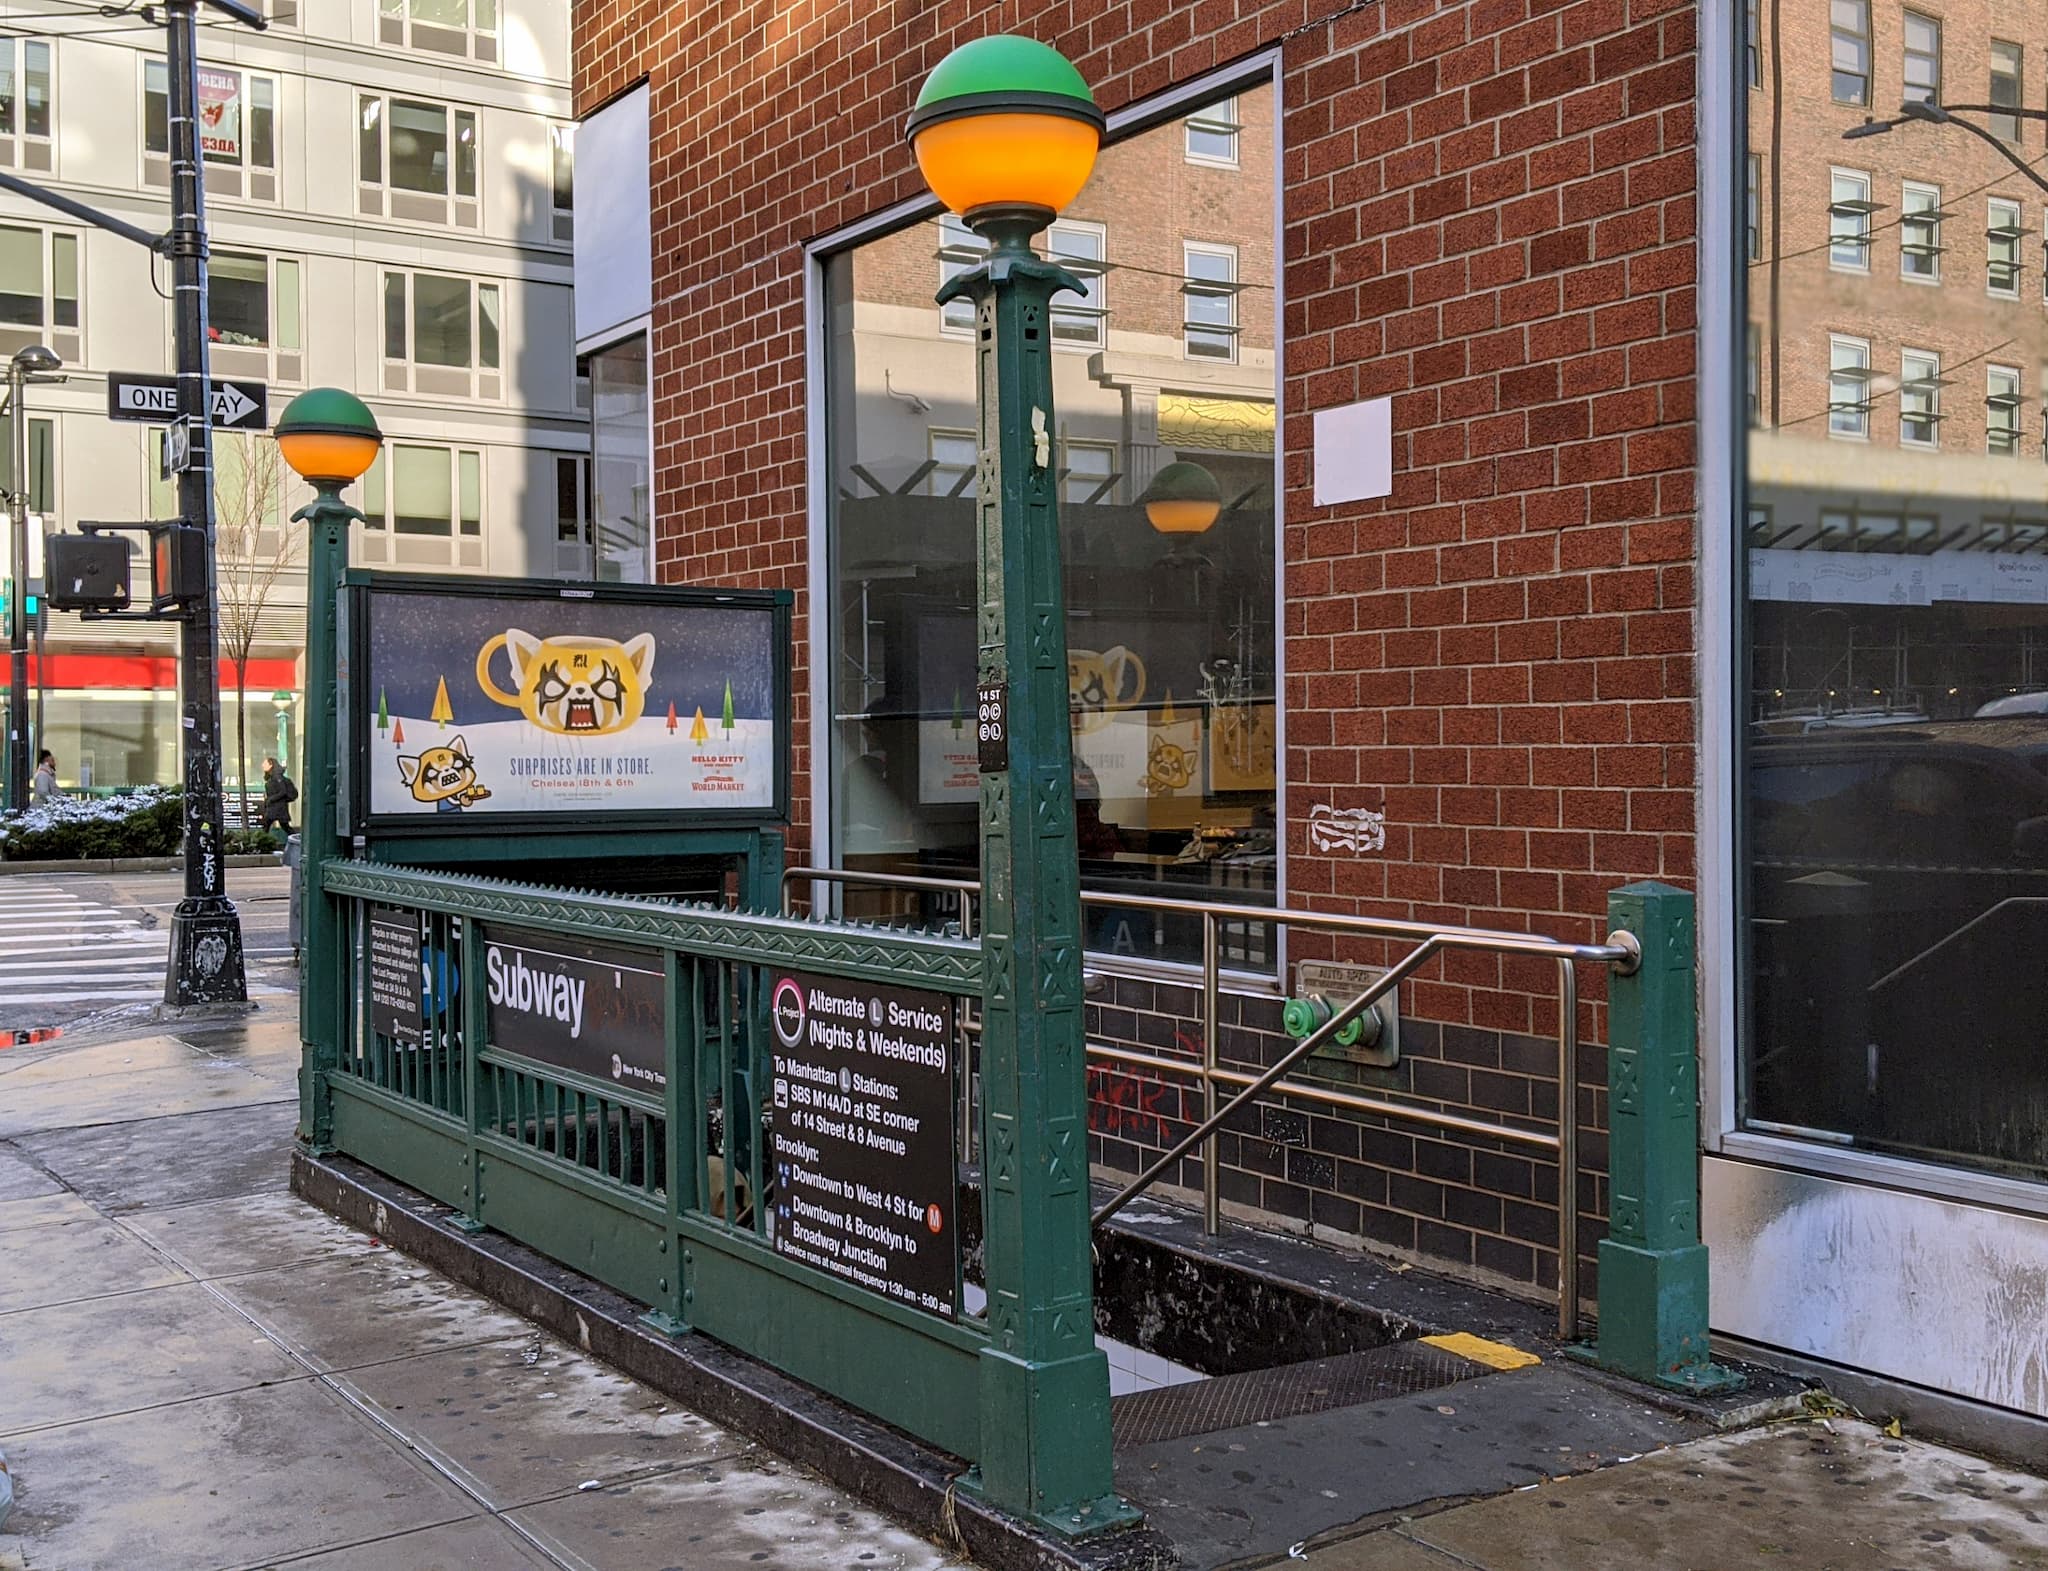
<point x="1489" y="215"/>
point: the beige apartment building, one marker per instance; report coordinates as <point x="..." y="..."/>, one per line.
<point x="389" y="185"/>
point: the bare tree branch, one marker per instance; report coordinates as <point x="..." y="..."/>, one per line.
<point x="254" y="546"/>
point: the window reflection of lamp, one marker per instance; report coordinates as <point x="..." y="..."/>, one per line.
<point x="1181" y="502"/>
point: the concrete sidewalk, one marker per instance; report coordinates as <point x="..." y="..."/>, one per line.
<point x="1830" y="1494"/>
<point x="200" y="1372"/>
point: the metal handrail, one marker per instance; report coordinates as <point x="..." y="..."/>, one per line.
<point x="1621" y="951"/>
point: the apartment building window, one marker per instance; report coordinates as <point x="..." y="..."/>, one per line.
<point x="1209" y="300"/>
<point x="237" y="130"/>
<point x="467" y="28"/>
<point x="39" y="290"/>
<point x="1212" y="134"/>
<point x="2002" y="410"/>
<point x="1078" y="245"/>
<point x="1849" y="210"/>
<point x="1849" y="24"/>
<point x="1753" y="210"/>
<point x="423" y="503"/>
<point x="1920" y="233"/>
<point x="573" y="537"/>
<point x="952" y="455"/>
<point x="441" y="335"/>
<point x="960" y="251"/>
<point x="2002" y="248"/>
<point x="2008" y="89"/>
<point x="1751" y="61"/>
<point x="26" y="118"/>
<point x="1919" y="398"/>
<point x="42" y="466"/>
<point x="417" y="160"/>
<point x="1087" y="472"/>
<point x="1753" y="375"/>
<point x="253" y="315"/>
<point x="562" y="195"/>
<point x="1923" y="59"/>
<point x="1082" y="248"/>
<point x="1849" y="387"/>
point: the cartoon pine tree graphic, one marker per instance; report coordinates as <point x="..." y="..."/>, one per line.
<point x="698" y="731"/>
<point x="726" y="720"/>
<point x="383" y="713"/>
<point x="671" y="717"/>
<point x="443" y="711"/>
<point x="959" y="719"/>
<point x="398" y="734"/>
<point x="1166" y="715"/>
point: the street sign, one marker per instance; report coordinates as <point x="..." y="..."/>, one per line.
<point x="138" y="395"/>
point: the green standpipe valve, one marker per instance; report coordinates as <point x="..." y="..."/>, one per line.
<point x="1300" y="1016"/>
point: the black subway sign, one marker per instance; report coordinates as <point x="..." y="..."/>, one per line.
<point x="597" y="1009"/>
<point x="865" y="1182"/>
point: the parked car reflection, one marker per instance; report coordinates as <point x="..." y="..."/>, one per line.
<point x="1900" y="905"/>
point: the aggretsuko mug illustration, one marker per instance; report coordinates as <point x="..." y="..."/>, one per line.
<point x="573" y="684"/>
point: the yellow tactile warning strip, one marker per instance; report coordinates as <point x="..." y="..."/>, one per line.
<point x="1494" y="1355"/>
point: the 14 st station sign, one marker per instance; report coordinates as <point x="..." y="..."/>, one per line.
<point x="139" y="395"/>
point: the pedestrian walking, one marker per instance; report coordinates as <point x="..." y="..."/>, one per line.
<point x="43" y="790"/>
<point x="278" y="795"/>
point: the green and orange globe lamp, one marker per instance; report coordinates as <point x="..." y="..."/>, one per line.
<point x="1006" y="133"/>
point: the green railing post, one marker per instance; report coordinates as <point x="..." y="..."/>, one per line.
<point x="1653" y="1267"/>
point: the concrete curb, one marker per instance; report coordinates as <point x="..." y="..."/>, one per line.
<point x="136" y="864"/>
<point x="886" y="1468"/>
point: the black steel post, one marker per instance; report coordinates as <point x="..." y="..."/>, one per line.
<point x="206" y="932"/>
<point x="17" y="597"/>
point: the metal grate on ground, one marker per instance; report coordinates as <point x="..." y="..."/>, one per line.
<point x="1203" y="1407"/>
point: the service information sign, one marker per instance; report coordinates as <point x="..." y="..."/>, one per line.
<point x="865" y="1183"/>
<point x="572" y="708"/>
<point x="595" y="1008"/>
<point x="396" y="978"/>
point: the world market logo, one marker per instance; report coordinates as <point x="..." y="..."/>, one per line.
<point x="788" y="1012"/>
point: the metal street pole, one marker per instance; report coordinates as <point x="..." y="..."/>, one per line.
<point x="17" y="593"/>
<point x="206" y="933"/>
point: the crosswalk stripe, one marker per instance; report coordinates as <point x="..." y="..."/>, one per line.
<point x="119" y="996"/>
<point x="127" y="961"/>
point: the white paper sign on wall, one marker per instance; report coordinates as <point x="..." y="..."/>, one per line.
<point x="1354" y="451"/>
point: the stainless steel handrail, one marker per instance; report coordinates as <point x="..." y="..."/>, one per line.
<point x="1621" y="951"/>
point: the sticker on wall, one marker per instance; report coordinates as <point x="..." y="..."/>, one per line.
<point x="1353" y="829"/>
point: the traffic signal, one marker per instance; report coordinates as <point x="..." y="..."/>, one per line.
<point x="85" y="572"/>
<point x="177" y="565"/>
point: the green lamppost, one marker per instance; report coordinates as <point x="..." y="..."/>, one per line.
<point x="1006" y="132"/>
<point x="329" y="438"/>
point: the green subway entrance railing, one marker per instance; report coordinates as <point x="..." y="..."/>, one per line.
<point x="655" y="1175"/>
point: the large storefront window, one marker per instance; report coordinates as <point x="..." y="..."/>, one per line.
<point x="622" y="464"/>
<point x="1896" y="734"/>
<point x="1172" y="652"/>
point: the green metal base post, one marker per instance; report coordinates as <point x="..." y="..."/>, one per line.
<point x="322" y="1019"/>
<point x="1045" y="1424"/>
<point x="1653" y="1267"/>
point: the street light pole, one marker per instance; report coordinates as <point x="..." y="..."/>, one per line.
<point x="329" y="438"/>
<point x="31" y="364"/>
<point x="206" y="933"/>
<point x="1005" y="132"/>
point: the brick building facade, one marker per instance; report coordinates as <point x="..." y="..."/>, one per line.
<point x="1488" y="215"/>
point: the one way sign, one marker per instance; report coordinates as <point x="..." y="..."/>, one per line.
<point x="136" y="395"/>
